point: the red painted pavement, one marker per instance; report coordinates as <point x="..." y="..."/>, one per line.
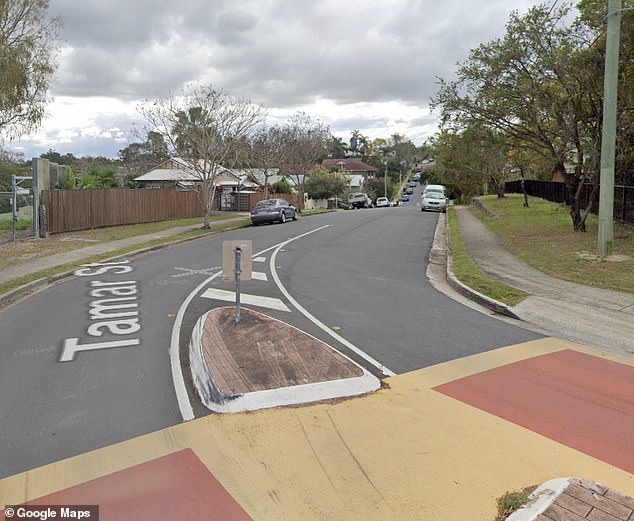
<point x="579" y="400"/>
<point x="177" y="487"/>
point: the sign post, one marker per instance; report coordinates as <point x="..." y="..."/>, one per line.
<point x="236" y="265"/>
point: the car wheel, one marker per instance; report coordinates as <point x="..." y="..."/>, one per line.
<point x="283" y="217"/>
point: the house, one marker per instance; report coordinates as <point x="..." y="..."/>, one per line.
<point x="351" y="167"/>
<point x="178" y="173"/>
<point x="356" y="182"/>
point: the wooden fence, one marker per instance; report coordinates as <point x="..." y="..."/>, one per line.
<point x="72" y="210"/>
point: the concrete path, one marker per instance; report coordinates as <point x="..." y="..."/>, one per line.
<point x="591" y="316"/>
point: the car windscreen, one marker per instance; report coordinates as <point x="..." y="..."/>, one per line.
<point x="434" y="195"/>
<point x="264" y="204"/>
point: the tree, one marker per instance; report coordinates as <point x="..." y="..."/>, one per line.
<point x="470" y="158"/>
<point x="306" y="143"/>
<point x="323" y="185"/>
<point x="338" y="148"/>
<point x="99" y="177"/>
<point x="267" y="152"/>
<point x="139" y="158"/>
<point x="28" y="45"/>
<point x="537" y="89"/>
<point x="282" y="187"/>
<point x="207" y="128"/>
<point x="591" y="19"/>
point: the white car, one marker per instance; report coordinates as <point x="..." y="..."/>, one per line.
<point x="435" y="188"/>
<point x="434" y="201"/>
<point x="359" y="200"/>
<point x="382" y="202"/>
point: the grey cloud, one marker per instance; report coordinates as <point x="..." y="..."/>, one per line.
<point x="281" y="53"/>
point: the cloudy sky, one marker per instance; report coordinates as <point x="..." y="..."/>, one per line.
<point x="359" y="64"/>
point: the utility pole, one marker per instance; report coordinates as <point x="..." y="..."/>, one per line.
<point x="608" y="135"/>
<point x="385" y="181"/>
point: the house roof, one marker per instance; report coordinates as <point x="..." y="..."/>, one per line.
<point x="168" y="174"/>
<point x="348" y="165"/>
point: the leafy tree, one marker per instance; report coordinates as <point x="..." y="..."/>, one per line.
<point x="322" y="184"/>
<point x="282" y="187"/>
<point x="591" y="22"/>
<point x="139" y="158"/>
<point x="359" y="145"/>
<point x="536" y="89"/>
<point x="471" y="158"/>
<point x="206" y="127"/>
<point x="99" y="178"/>
<point x="27" y="50"/>
<point x="338" y="149"/>
<point x="378" y="187"/>
<point x="67" y="179"/>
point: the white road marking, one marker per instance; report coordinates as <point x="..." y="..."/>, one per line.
<point x="257" y="275"/>
<point x="191" y="271"/>
<point x="187" y="412"/>
<point x="314" y="320"/>
<point x="245" y="298"/>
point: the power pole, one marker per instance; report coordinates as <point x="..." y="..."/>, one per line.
<point x="608" y="135"/>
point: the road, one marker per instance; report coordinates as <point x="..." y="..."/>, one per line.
<point x="86" y="362"/>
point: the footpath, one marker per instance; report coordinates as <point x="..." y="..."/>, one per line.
<point x="591" y="316"/>
<point x="441" y="443"/>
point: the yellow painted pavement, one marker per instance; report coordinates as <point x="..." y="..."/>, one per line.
<point x="402" y="453"/>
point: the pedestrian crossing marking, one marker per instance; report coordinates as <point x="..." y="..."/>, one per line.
<point x="254" y="300"/>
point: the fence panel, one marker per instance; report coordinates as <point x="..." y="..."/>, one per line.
<point x="73" y="210"/>
<point x="555" y="192"/>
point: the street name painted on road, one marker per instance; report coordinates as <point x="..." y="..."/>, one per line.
<point x="115" y="309"/>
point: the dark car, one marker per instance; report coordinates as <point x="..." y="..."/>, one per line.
<point x="273" y="210"/>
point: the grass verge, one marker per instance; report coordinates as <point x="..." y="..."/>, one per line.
<point x="542" y="235"/>
<point x="469" y="274"/>
<point x="511" y="501"/>
<point x="217" y="226"/>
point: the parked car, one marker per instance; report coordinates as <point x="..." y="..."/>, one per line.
<point x="273" y="210"/>
<point x="405" y="198"/>
<point x="434" y="201"/>
<point x="382" y="202"/>
<point x="412" y="184"/>
<point x="359" y="200"/>
<point x="409" y="190"/>
<point x="435" y="188"/>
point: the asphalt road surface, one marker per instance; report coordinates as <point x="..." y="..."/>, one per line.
<point x="86" y="362"/>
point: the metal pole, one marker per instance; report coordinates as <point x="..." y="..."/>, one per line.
<point x="14" y="204"/>
<point x="608" y="136"/>
<point x="238" y="252"/>
<point x="385" y="181"/>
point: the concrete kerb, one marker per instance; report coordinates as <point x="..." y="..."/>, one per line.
<point x="442" y="243"/>
<point x="540" y="499"/>
<point x="215" y="400"/>
<point x="39" y="284"/>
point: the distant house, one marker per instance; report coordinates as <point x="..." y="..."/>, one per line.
<point x="353" y="168"/>
<point x="356" y="183"/>
<point x="178" y="173"/>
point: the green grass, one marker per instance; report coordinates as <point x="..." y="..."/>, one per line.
<point x="511" y="501"/>
<point x="542" y="235"/>
<point x="20" y="224"/>
<point x="469" y="274"/>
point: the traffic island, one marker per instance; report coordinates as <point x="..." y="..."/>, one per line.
<point x="261" y="362"/>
